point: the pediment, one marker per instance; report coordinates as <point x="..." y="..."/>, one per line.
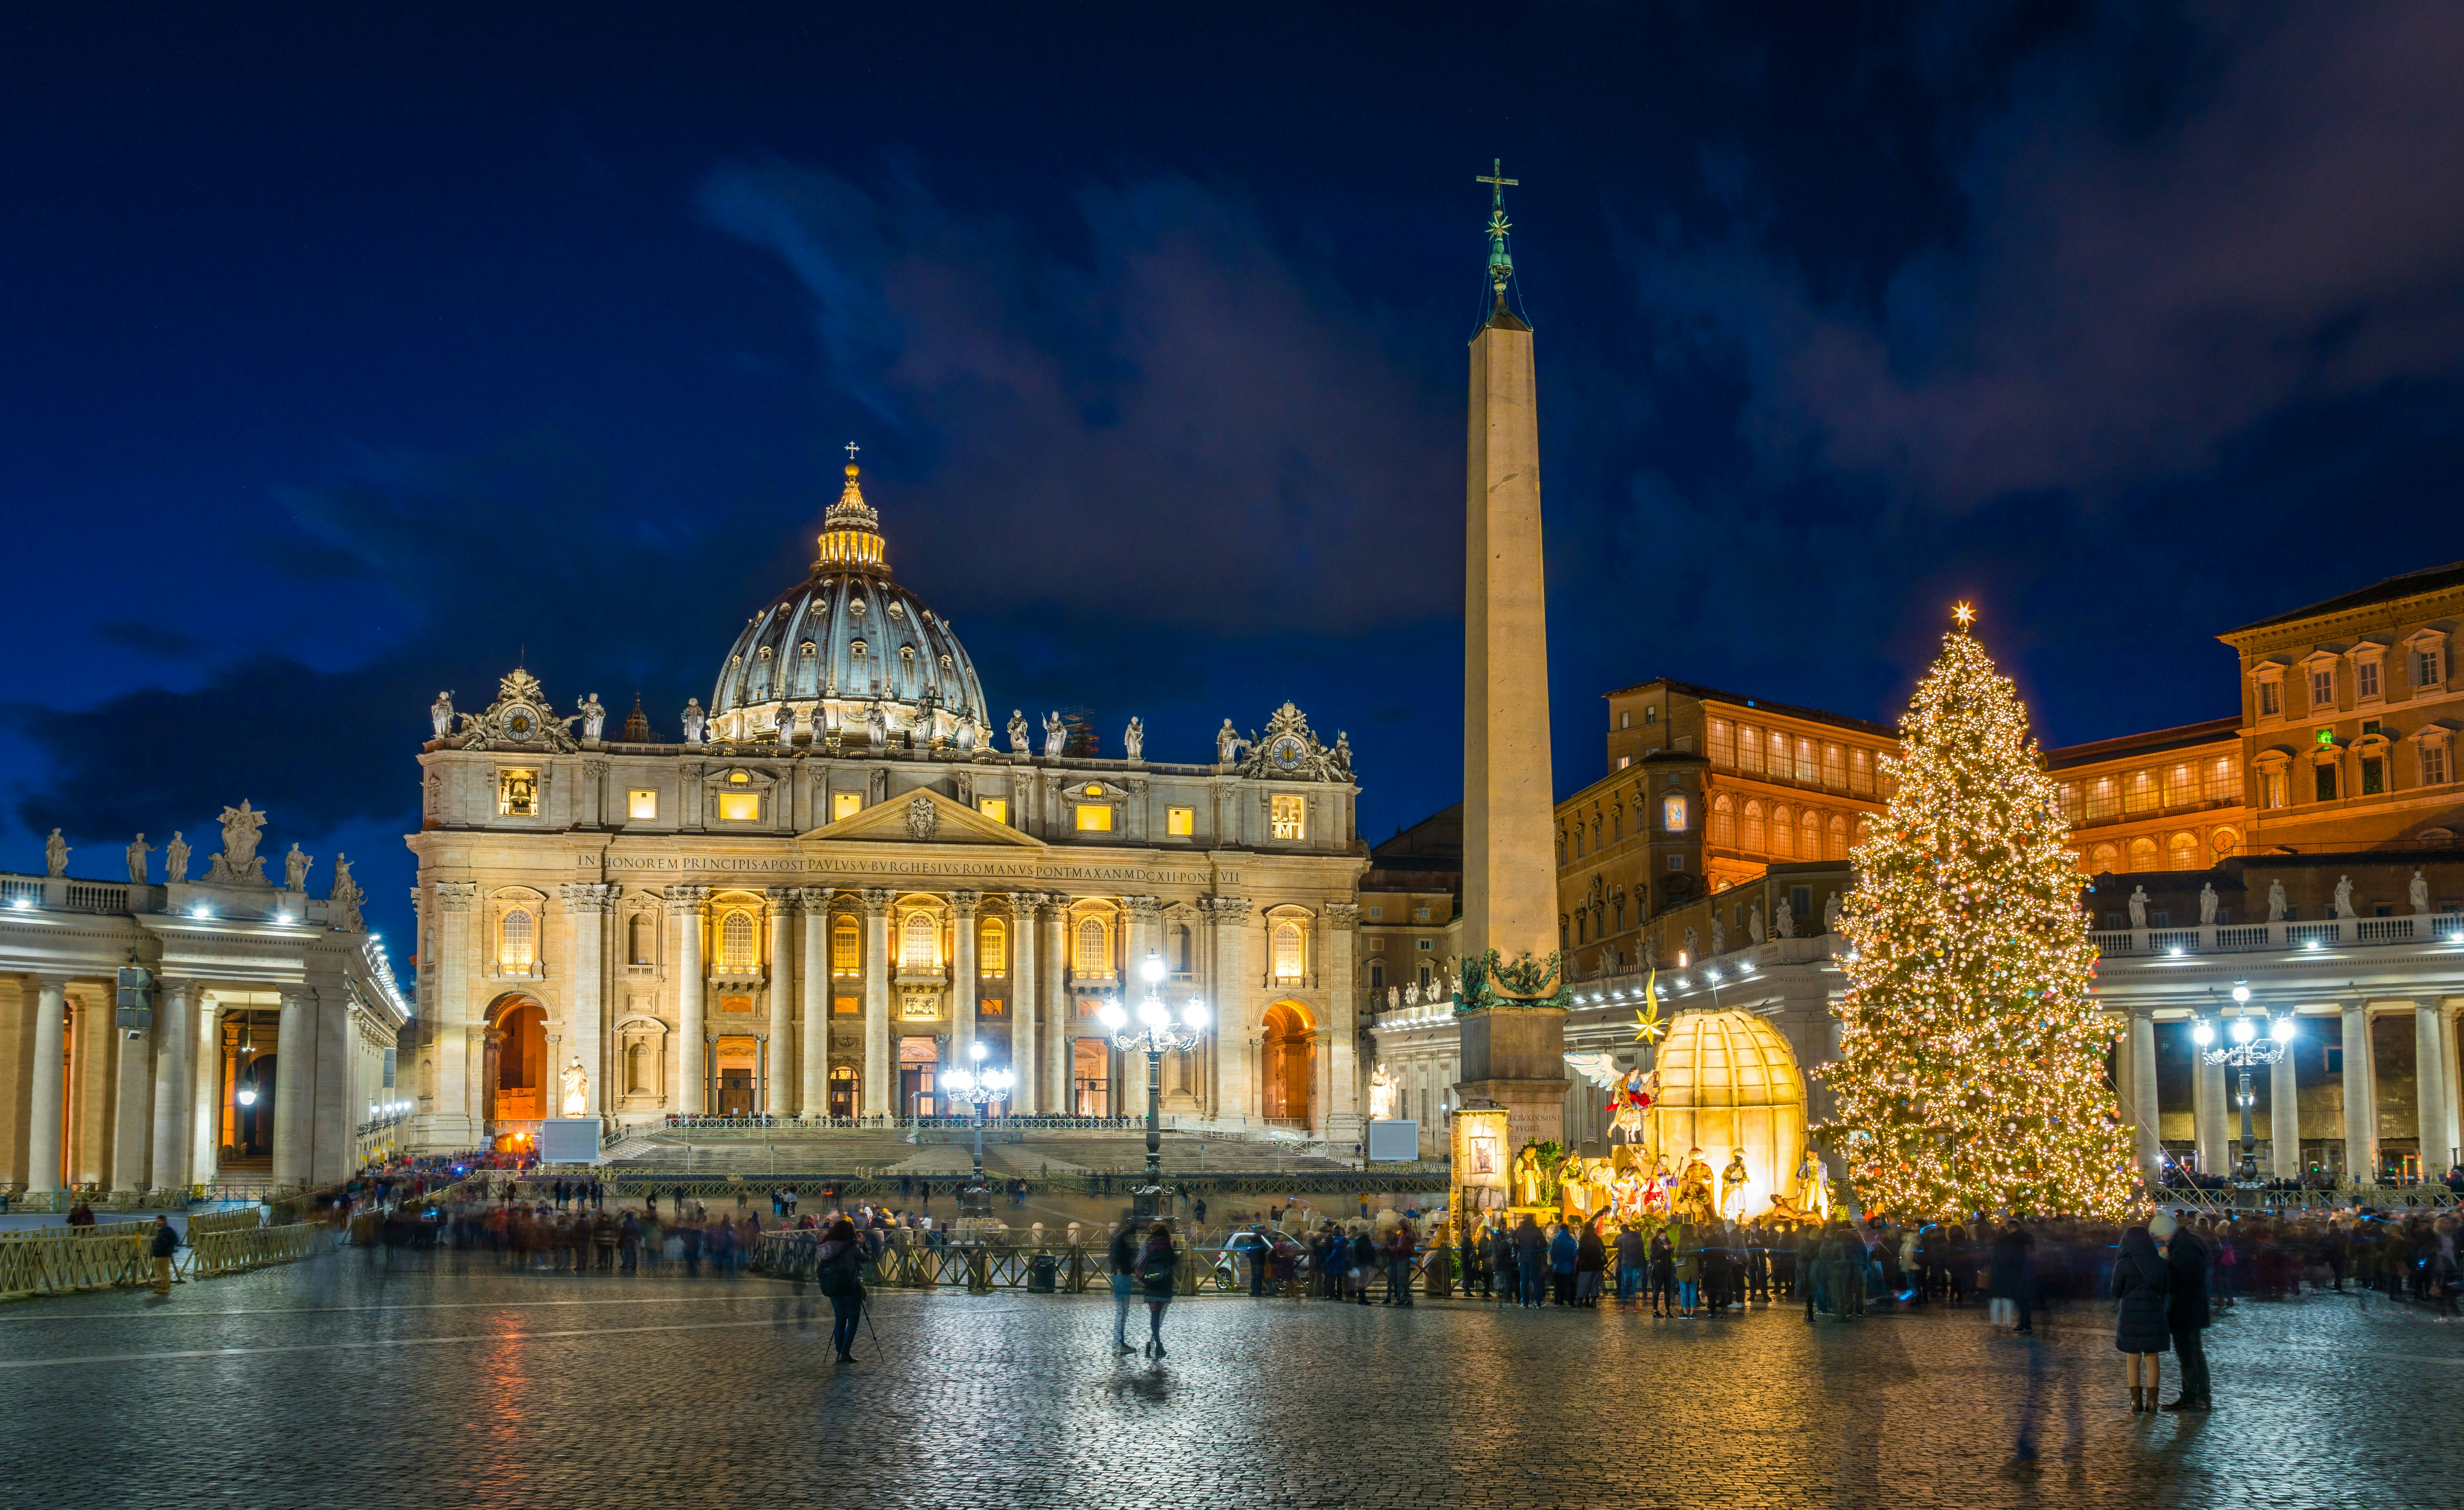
<point x="899" y="820"/>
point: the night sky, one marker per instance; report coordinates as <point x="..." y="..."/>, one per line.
<point x="351" y="354"/>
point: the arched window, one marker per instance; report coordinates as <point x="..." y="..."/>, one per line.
<point x="1672" y="812"/>
<point x="2103" y="860"/>
<point x="1094" y="953"/>
<point x="1754" y="840"/>
<point x="2225" y="842"/>
<point x="1723" y="823"/>
<point x="1837" y="847"/>
<point x="1783" y="838"/>
<point x="992" y="949"/>
<point x="2181" y="853"/>
<point x="1864" y="826"/>
<point x="845" y="950"/>
<point x="843" y="1084"/>
<point x="516" y="944"/>
<point x="1809" y="836"/>
<point x="736" y="950"/>
<point x="919" y="942"/>
<point x="1288" y="951"/>
<point x="638" y="939"/>
<point x="2143" y="853"/>
<point x="637" y="1069"/>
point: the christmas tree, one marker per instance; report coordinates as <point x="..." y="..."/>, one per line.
<point x="1972" y="1056"/>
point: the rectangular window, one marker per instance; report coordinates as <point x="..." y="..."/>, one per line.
<point x="2224" y="780"/>
<point x="2429" y="668"/>
<point x="1419" y="914"/>
<point x="1424" y="945"/>
<point x="2323" y="689"/>
<point x="1626" y="718"/>
<point x="1835" y="767"/>
<point x="517" y="794"/>
<point x="847" y="1006"/>
<point x="1804" y="761"/>
<point x="1623" y="761"/>
<point x="1094" y="817"/>
<point x="1181" y="822"/>
<point x="2434" y="765"/>
<point x="1724" y="748"/>
<point x="2365" y="679"/>
<point x="2326" y="783"/>
<point x="641" y="802"/>
<point x="2270" y="700"/>
<point x="1677" y="862"/>
<point x="740" y="807"/>
<point x="2103" y="798"/>
<point x="2139" y="792"/>
<point x="2070" y="801"/>
<point x="1290" y="818"/>
<point x="2180" y="788"/>
<point x="1750" y="750"/>
<point x="2373" y="776"/>
<point x="1651" y="714"/>
<point x="1376" y="914"/>
<point x="846" y="804"/>
<point x="2271" y="787"/>
<point x="996" y="808"/>
<point x="1861" y="770"/>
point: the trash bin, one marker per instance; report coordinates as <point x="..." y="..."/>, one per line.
<point x="1046" y="1270"/>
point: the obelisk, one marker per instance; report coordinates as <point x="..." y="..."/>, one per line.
<point x="1513" y="996"/>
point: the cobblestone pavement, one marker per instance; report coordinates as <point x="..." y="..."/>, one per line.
<point x="335" y="1383"/>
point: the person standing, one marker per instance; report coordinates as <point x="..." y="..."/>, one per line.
<point x="1563" y="1251"/>
<point x="2011" y="1277"/>
<point x="1590" y="1260"/>
<point x="2186" y="1309"/>
<point x="1400" y="1244"/>
<point x="1124" y="1258"/>
<point x="1664" y="1274"/>
<point x="164" y="1242"/>
<point x="838" y="1269"/>
<point x="1530" y="1261"/>
<point x="1633" y="1262"/>
<point x="1159" y="1265"/>
<point x="2142" y="1280"/>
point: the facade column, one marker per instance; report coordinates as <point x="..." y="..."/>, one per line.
<point x="1237" y="1023"/>
<point x="2360" y="1097"/>
<point x="2451" y="1075"/>
<point x="331" y="1118"/>
<point x="1344" y="1112"/>
<point x="778" y="1065"/>
<point x="1052" y="988"/>
<point x="175" y="1079"/>
<point x="685" y="905"/>
<point x="878" y="1094"/>
<point x="2209" y="1103"/>
<point x="205" y="1091"/>
<point x="47" y="1112"/>
<point x="813" y="1032"/>
<point x="587" y="904"/>
<point x="294" y="1085"/>
<point x="2429" y="1087"/>
<point x="2284" y="1114"/>
<point x="964" y="980"/>
<point x="459" y="1099"/>
<point x="2143" y="1109"/>
<point x="1025" y="1042"/>
<point x="132" y="1121"/>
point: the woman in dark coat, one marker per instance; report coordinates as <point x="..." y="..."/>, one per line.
<point x="2142" y="1282"/>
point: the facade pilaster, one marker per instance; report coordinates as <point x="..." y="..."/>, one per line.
<point x="1053" y="988"/>
<point x="779" y="1066"/>
<point x="2209" y="1102"/>
<point x="813" y="1031"/>
<point x="331" y="1115"/>
<point x="2143" y="1109"/>
<point x="132" y="1121"/>
<point x="586" y="905"/>
<point x="1145" y="915"/>
<point x="2360" y="1096"/>
<point x="47" y="1110"/>
<point x="685" y="907"/>
<point x="2429" y="1087"/>
<point x="204" y="1160"/>
<point x="1025" y="1002"/>
<point x="878" y="1092"/>
<point x="458" y="1093"/>
<point x="294" y="1085"/>
<point x="2451" y="1075"/>
<point x="963" y="981"/>
<point x="1343" y="1022"/>
<point x="2284" y="1115"/>
<point x="1238" y="1023"/>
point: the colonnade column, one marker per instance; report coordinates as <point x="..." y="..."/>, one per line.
<point x="2360" y="1096"/>
<point x="1236" y="1024"/>
<point x="331" y="1117"/>
<point x="778" y="1064"/>
<point x="2284" y="1114"/>
<point x="132" y="1130"/>
<point x="47" y="1111"/>
<point x="2451" y="1075"/>
<point x="1052" y="999"/>
<point x="963" y="982"/>
<point x="877" y="1091"/>
<point x="813" y="1034"/>
<point x="294" y="1078"/>
<point x="2429" y="1087"/>
<point x="459" y="1105"/>
<point x="1343" y="1073"/>
<point x="586" y="905"/>
<point x="1026" y="1045"/>
<point x="2208" y="1102"/>
<point x="175" y="1034"/>
<point x="2143" y="1091"/>
<point x="204" y="1158"/>
<point x="684" y="905"/>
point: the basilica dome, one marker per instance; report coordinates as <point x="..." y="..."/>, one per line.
<point x="845" y="642"/>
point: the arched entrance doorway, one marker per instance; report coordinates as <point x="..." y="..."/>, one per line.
<point x="1289" y="1060"/>
<point x="517" y="1079"/>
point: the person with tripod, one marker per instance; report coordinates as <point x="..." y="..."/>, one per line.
<point x="838" y="1268"/>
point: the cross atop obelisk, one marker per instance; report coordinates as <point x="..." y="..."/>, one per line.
<point x="1501" y="262"/>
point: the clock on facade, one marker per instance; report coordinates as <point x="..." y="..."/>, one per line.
<point x="519" y="722"/>
<point x="1286" y="753"/>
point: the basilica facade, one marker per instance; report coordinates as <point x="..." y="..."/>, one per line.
<point x="834" y="885"/>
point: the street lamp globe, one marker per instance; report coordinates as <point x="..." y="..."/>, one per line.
<point x="2282" y="1030"/>
<point x="2243" y="1030"/>
<point x="978" y="1049"/>
<point x="1193" y="1014"/>
<point x="1152" y="970"/>
<point x="2241" y="993"/>
<point x="2202" y="1034"/>
<point x="1112" y="1017"/>
<point x="1151" y="1011"/>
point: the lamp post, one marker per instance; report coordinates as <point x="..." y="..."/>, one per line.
<point x="2246" y="1050"/>
<point x="1159" y="1033"/>
<point x="982" y="1087"/>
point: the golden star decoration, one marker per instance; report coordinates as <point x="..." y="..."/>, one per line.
<point x="1965" y="613"/>
<point x="1647" y="1024"/>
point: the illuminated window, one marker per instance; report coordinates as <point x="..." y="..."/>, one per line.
<point x="1289" y="953"/>
<point x="2105" y="859"/>
<point x="846" y="804"/>
<point x="641" y="802"/>
<point x="1094" y="790"/>
<point x="996" y="808"/>
<point x="1835" y="767"/>
<point x="2323" y="689"/>
<point x="1783" y="838"/>
<point x="638" y="939"/>
<point x="1805" y="759"/>
<point x="1778" y="754"/>
<point x="2224" y="780"/>
<point x="844" y="947"/>
<point x="1093" y="958"/>
<point x="2270" y="789"/>
<point x="2270" y="702"/>
<point x="1181" y="822"/>
<point x="919" y="942"/>
<point x="516" y="944"/>
<point x="1094" y="817"/>
<point x="740" y="807"/>
<point x="843" y="1086"/>
<point x="1750" y="750"/>
<point x="517" y="794"/>
<point x="1754" y="842"/>
<point x="1861" y="770"/>
<point x="2139" y="792"/>
<point x="737" y="779"/>
<point x="735" y="952"/>
<point x="1722" y="743"/>
<point x="2181" y="853"/>
<point x="2103" y="798"/>
<point x="1289" y="820"/>
<point x="992" y="949"/>
<point x="847" y="1006"/>
<point x="1838" y="847"/>
<point x="2143" y="853"/>
<point x="1809" y="836"/>
<point x="1723" y="823"/>
<point x="2181" y="787"/>
<point x="1672" y="812"/>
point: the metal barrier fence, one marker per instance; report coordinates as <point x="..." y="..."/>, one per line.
<point x="58" y="1260"/>
<point x="1073" y="1269"/>
<point x="703" y="1186"/>
<point x="233" y="1252"/>
<point x="240" y="1218"/>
